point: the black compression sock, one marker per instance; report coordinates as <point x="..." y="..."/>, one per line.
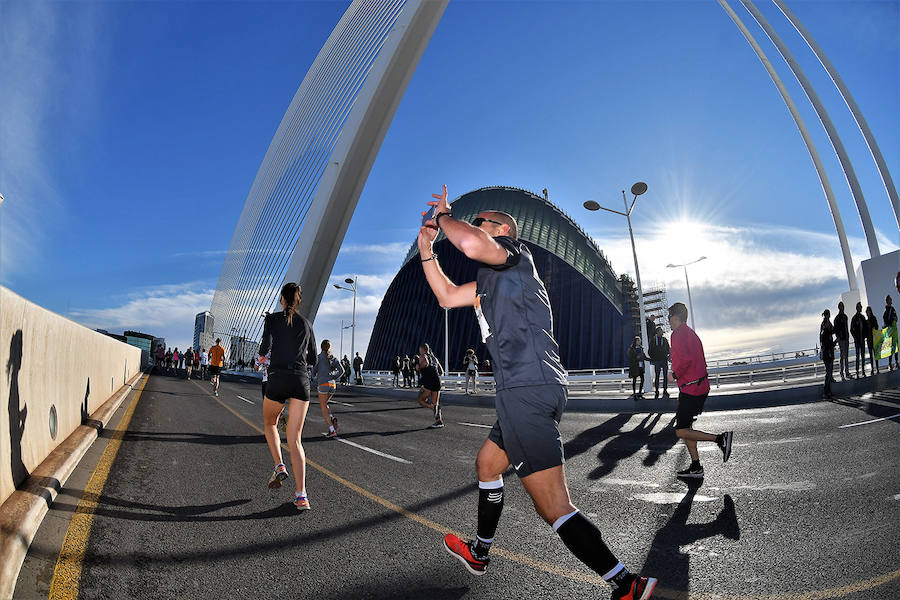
<point x="584" y="540"/>
<point x="490" y="506"/>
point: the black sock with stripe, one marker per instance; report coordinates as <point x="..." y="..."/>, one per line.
<point x="490" y="506"/>
<point x="584" y="540"/>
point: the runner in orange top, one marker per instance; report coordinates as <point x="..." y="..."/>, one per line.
<point x="216" y="362"/>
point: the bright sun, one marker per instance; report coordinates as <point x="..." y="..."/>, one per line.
<point x="686" y="241"/>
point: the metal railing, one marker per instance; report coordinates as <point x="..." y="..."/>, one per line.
<point x="727" y="375"/>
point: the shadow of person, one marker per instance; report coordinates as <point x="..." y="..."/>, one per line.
<point x="624" y="445"/>
<point x="669" y="558"/>
<point x="589" y="438"/>
<point x="661" y="442"/>
<point x="85" y="415"/>
<point x="17" y="414"/>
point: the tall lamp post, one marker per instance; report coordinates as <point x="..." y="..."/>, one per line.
<point x="352" y="288"/>
<point x="342" y="336"/>
<point x="688" y="284"/>
<point x="637" y="189"/>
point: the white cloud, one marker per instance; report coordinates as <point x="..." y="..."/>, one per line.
<point x="164" y="311"/>
<point x="393" y="250"/>
<point x="755" y="256"/>
<point x="337" y="305"/>
<point x="785" y="335"/>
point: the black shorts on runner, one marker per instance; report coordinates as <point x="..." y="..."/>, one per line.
<point x="431" y="381"/>
<point x="689" y="408"/>
<point x="527" y="426"/>
<point x="214" y="369"/>
<point x="286" y="384"/>
<point x="264" y="390"/>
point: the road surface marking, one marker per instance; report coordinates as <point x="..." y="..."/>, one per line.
<point x="867" y="422"/>
<point x="247" y="401"/>
<point x="476" y="425"/>
<point x="591" y="578"/>
<point x="67" y="573"/>
<point x="385" y="455"/>
<point x="344" y="403"/>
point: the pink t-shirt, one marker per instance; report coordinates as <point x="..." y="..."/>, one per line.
<point x="688" y="361"/>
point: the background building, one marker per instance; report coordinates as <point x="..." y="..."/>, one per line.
<point x="203" y="330"/>
<point x="591" y="321"/>
<point x="144" y="341"/>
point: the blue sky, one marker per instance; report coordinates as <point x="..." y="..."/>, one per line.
<point x="130" y="133"/>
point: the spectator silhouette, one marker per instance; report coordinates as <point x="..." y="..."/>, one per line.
<point x="826" y="339"/>
<point x="858" y="326"/>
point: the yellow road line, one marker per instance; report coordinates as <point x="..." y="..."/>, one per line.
<point x="67" y="572"/>
<point x="659" y="592"/>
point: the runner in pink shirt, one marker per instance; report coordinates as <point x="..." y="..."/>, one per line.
<point x="689" y="371"/>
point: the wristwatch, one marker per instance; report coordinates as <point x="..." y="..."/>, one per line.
<point x="437" y="217"/>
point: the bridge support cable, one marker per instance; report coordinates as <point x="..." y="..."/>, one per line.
<point x="810" y="146"/>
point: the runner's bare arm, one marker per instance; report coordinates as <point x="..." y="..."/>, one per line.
<point x="475" y="243"/>
<point x="449" y="295"/>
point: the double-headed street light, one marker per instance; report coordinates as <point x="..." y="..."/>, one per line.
<point x="688" y="285"/>
<point x="352" y="288"/>
<point x="637" y="189"/>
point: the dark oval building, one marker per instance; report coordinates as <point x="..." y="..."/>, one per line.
<point x="591" y="319"/>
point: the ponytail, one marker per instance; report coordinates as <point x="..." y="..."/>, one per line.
<point x="291" y="295"/>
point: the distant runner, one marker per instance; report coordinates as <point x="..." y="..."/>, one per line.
<point x="216" y="363"/>
<point x="689" y="371"/>
<point x="325" y="373"/>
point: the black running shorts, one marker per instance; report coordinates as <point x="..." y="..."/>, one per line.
<point x="214" y="369"/>
<point x="689" y="408"/>
<point x="264" y="390"/>
<point x="527" y="426"/>
<point x="431" y="381"/>
<point x="286" y="384"/>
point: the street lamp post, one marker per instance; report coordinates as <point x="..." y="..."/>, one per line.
<point x="688" y="285"/>
<point x="352" y="288"/>
<point x="637" y="189"/>
<point x="342" y="336"/>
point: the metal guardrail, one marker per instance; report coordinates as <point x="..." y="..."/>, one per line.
<point x="803" y="371"/>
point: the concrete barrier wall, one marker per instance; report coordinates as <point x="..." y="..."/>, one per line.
<point x="49" y="361"/>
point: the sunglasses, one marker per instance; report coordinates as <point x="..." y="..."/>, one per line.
<point x="477" y="221"/>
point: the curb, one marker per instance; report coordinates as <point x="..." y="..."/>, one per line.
<point x="24" y="511"/>
<point x="735" y="401"/>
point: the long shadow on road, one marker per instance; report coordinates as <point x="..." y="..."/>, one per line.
<point x="669" y="560"/>
<point x="622" y="444"/>
<point x="190" y="514"/>
<point x="192" y="438"/>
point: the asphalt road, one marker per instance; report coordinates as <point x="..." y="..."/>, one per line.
<point x="806" y="508"/>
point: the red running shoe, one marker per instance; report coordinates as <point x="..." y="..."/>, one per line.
<point x="641" y="588"/>
<point x="462" y="551"/>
